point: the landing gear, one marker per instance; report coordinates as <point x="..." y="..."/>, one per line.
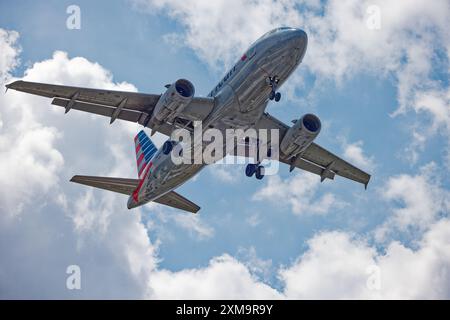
<point x="167" y="147"/>
<point x="250" y="169"/>
<point x="254" y="169"/>
<point x="259" y="174"/>
<point x="272" y="95"/>
<point x="277" y="96"/>
<point x="273" y="83"/>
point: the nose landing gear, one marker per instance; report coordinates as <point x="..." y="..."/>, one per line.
<point x="273" y="83"/>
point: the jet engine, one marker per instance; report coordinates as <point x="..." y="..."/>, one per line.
<point x="171" y="103"/>
<point x="300" y="135"/>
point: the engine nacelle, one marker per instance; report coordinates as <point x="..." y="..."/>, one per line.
<point x="300" y="135"/>
<point x="177" y="96"/>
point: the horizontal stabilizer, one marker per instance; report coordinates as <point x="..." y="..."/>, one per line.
<point x="120" y="185"/>
<point x="127" y="186"/>
<point x="174" y="200"/>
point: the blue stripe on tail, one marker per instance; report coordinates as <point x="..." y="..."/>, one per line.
<point x="145" y="150"/>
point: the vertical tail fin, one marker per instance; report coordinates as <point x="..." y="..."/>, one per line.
<point x="145" y="150"/>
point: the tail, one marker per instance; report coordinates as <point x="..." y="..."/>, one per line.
<point x="145" y="150"/>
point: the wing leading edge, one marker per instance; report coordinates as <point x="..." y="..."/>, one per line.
<point x="129" y="106"/>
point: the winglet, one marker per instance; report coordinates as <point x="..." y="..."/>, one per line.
<point x="7" y="87"/>
<point x="365" y="184"/>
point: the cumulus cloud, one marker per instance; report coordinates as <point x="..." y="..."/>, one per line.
<point x="419" y="201"/>
<point x="298" y="193"/>
<point x="29" y="163"/>
<point x="64" y="226"/>
<point x="223" y="278"/>
<point x="338" y="265"/>
<point x="9" y="52"/>
<point x="334" y="266"/>
<point x="193" y="223"/>
<point x="354" y="153"/>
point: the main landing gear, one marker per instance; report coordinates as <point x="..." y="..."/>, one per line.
<point x="273" y="83"/>
<point x="254" y="169"/>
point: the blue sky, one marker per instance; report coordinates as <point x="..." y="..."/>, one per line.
<point x="353" y="86"/>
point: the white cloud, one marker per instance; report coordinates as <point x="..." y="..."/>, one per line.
<point x="29" y="163"/>
<point x="297" y="193"/>
<point x="334" y="266"/>
<point x="418" y="200"/>
<point x="194" y="224"/>
<point x="253" y="220"/>
<point x="206" y="23"/>
<point x="57" y="226"/>
<point x="223" y="278"/>
<point x="338" y="266"/>
<point x="257" y="266"/>
<point x="9" y="52"/>
<point x="354" y="153"/>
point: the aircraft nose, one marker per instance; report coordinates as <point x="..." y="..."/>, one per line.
<point x="299" y="41"/>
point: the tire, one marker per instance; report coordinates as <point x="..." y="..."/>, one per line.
<point x="250" y="170"/>
<point x="277" y="96"/>
<point x="259" y="174"/>
<point x="272" y="95"/>
<point x="167" y="147"/>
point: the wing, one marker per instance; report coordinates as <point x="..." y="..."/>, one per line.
<point x="127" y="186"/>
<point x="315" y="159"/>
<point x="129" y="106"/>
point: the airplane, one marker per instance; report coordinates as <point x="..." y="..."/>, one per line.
<point x="238" y="101"/>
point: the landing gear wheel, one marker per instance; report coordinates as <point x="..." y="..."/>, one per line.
<point x="167" y="147"/>
<point x="259" y="172"/>
<point x="273" y="83"/>
<point x="272" y="95"/>
<point x="277" y="96"/>
<point x="250" y="170"/>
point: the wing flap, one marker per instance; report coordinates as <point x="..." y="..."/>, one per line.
<point x="119" y="185"/>
<point x="175" y="200"/>
<point x="124" y="114"/>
